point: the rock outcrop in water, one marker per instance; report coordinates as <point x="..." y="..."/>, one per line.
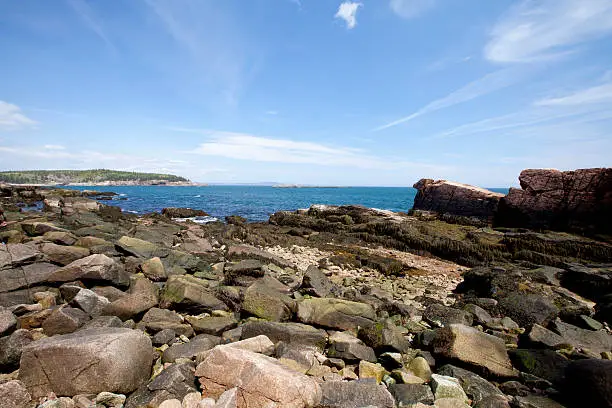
<point x="455" y="199"/>
<point x="326" y="307"/>
<point x="579" y="200"/>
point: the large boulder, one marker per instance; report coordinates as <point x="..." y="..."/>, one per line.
<point x="261" y="380"/>
<point x="142" y="296"/>
<point x="191" y="349"/>
<point x="471" y="347"/>
<point x="476" y="387"/>
<point x="87" y="362"/>
<point x="190" y="293"/>
<point x="63" y="255"/>
<point x="335" y="313"/>
<point x="315" y="283"/>
<point x="571" y="200"/>
<point x="448" y="197"/>
<point x="265" y="301"/>
<point x="25" y="276"/>
<point x="97" y="267"/>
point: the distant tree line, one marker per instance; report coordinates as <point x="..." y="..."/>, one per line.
<point x="82" y="176"/>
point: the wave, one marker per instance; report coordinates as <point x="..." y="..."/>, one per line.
<point x="198" y="196"/>
<point x="197" y="220"/>
<point x="131" y="211"/>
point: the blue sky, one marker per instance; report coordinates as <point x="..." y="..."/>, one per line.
<point x="307" y="91"/>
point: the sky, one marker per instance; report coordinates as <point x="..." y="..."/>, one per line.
<point x="370" y="92"/>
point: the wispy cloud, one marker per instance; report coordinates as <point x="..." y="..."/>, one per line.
<point x="411" y="8"/>
<point x="89" y="18"/>
<point x="271" y="112"/>
<point x="242" y="146"/>
<point x="210" y="40"/>
<point x="536" y="30"/>
<point x="54" y="147"/>
<point x="348" y="12"/>
<point x="12" y="118"/>
<point x="489" y="83"/>
<point x="593" y="95"/>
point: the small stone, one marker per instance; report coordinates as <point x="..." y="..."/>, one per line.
<point x="165" y="336"/>
<point x="371" y="370"/>
<point x="420" y="368"/>
<point x="110" y="400"/>
<point x="13" y="394"/>
<point x="403" y="376"/>
<point x="171" y="403"/>
<point x="447" y="387"/>
<point x="191" y="400"/>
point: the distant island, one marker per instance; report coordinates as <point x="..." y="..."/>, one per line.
<point x="96" y="177"/>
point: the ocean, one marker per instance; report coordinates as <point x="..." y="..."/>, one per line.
<point x="255" y="203"/>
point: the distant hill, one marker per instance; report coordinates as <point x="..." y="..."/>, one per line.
<point x="89" y="177"/>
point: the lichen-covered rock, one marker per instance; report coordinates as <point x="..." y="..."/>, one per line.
<point x="551" y="199"/>
<point x="260" y="379"/>
<point x="90" y="361"/>
<point x="472" y="347"/>
<point x="190" y="293"/>
<point x="448" y="197"/>
<point x="335" y="313"/>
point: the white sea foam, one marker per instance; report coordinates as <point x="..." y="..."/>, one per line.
<point x="197" y="220"/>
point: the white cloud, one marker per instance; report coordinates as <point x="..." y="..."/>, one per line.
<point x="348" y="12"/>
<point x="272" y="112"/>
<point x="596" y="94"/>
<point x="487" y="84"/>
<point x="54" y="147"/>
<point x="411" y="8"/>
<point x="242" y="146"/>
<point x="537" y="30"/>
<point x="12" y="118"/>
<point x="87" y="15"/>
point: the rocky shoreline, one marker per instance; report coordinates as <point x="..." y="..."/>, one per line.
<point x="325" y="307"/>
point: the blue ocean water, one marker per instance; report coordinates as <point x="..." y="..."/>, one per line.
<point x="255" y="203"/>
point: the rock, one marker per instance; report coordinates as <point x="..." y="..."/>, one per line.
<point x="154" y="269"/>
<point x="25" y="276"/>
<point x="480" y="315"/>
<point x="260" y="344"/>
<point x="587" y="322"/>
<point x="165" y="336"/>
<point x="291" y="333"/>
<point x="90" y="361"/>
<point x="90" y="302"/>
<point x="137" y="247"/>
<point x="315" y="283"/>
<point x="176" y="381"/>
<point x="183" y="213"/>
<point x="527" y="308"/>
<point x="420" y="367"/>
<point x="588" y="383"/>
<point x="36" y="228"/>
<point x="595" y="341"/>
<point x="162" y="319"/>
<point x="447" y="387"/>
<point x="545" y="364"/>
<point x="191" y="349"/>
<point x="440" y="316"/>
<point x="539" y="336"/>
<point x="371" y="370"/>
<point x="64" y="320"/>
<point x="551" y="199"/>
<point x="191" y="400"/>
<point x="335" y="313"/>
<point x="240" y="252"/>
<point x="244" y="273"/>
<point x="96" y="267"/>
<point x="348" y="347"/>
<point x="171" y="403"/>
<point x="264" y="301"/>
<point x="13" y="394"/>
<point x="260" y="379"/>
<point x="7" y="321"/>
<point x="109" y="292"/>
<point x="588" y="281"/>
<point x="63" y="255"/>
<point x="477" y="388"/>
<point x="60" y="237"/>
<point x="108" y="399"/>
<point x="384" y="336"/>
<point x="100" y="322"/>
<point x="469" y="346"/>
<point x="450" y="403"/>
<point x="536" y="401"/>
<point x="11" y="348"/>
<point x="189" y="293"/>
<point x="141" y="296"/>
<point x="514" y="388"/>
<point x="214" y="325"/>
<point x="408" y="395"/>
<point x="229" y="399"/>
<point x="443" y="197"/>
<point x="341" y="394"/>
<point x="13" y="255"/>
